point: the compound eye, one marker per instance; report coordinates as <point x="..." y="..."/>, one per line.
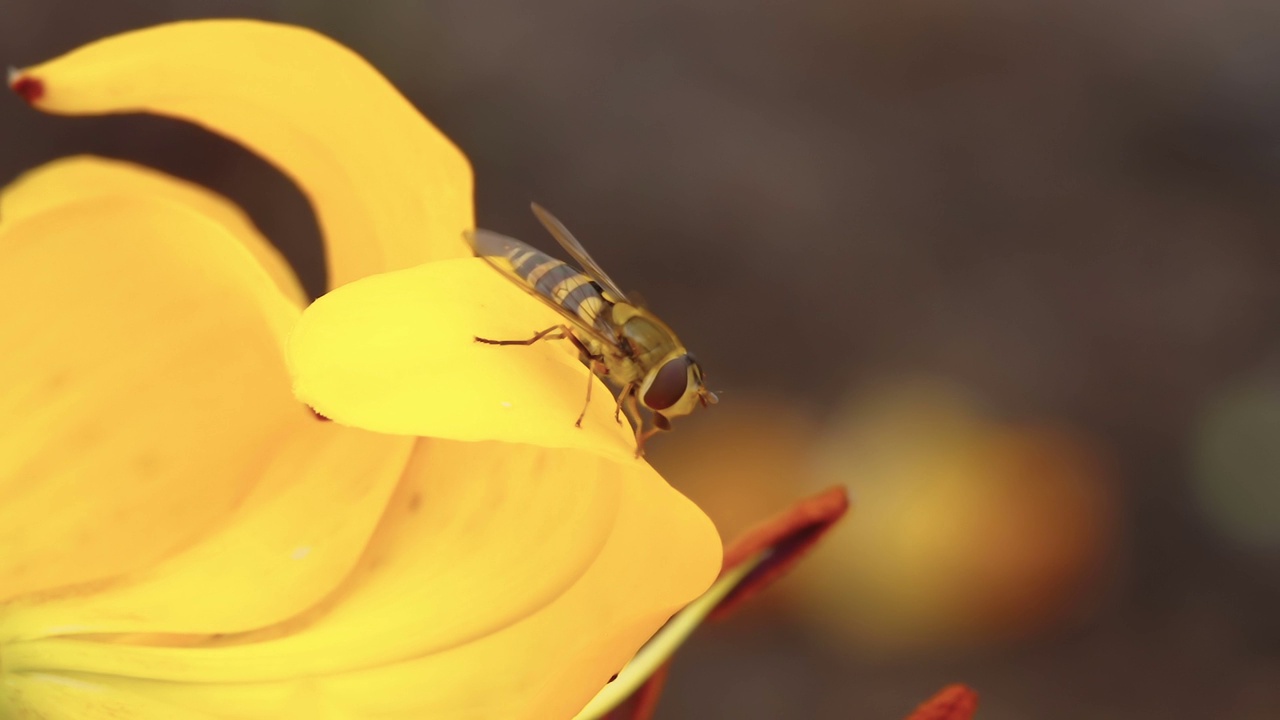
<point x="669" y="384"/>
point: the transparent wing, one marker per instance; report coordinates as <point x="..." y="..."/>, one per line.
<point x="496" y="250"/>
<point x="575" y="249"/>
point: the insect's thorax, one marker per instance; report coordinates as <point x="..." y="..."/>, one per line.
<point x="643" y="342"/>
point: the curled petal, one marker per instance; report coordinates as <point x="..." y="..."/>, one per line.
<point x="390" y="190"/>
<point x="396" y="353"/>
<point x="77" y="178"/>
<point x="129" y="425"/>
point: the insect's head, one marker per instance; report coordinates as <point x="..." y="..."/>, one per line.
<point x="675" y="387"/>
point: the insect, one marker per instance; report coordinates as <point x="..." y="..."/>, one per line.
<point x="617" y="338"/>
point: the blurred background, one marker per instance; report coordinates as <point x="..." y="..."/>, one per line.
<point x="1009" y="271"/>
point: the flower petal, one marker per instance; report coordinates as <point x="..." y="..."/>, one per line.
<point x="59" y="697"/>
<point x="142" y="374"/>
<point x="662" y="552"/>
<point x="759" y="557"/>
<point x="481" y="540"/>
<point x="81" y="177"/>
<point x="953" y="702"/>
<point x="320" y="494"/>
<point x="389" y="189"/>
<point x="644" y="702"/>
<point x="784" y="540"/>
<point x="396" y="353"/>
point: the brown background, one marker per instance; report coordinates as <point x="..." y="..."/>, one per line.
<point x="1068" y="208"/>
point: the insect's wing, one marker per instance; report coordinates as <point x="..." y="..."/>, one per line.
<point x="575" y="249"/>
<point x="497" y="250"/>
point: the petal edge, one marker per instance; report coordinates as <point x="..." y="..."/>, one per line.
<point x="389" y="189"/>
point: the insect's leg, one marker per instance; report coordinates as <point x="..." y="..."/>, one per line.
<point x="628" y="389"/>
<point x="633" y="409"/>
<point x="660" y="424"/>
<point x="642" y="437"/>
<point x="596" y="362"/>
<point x="542" y="335"/>
<point x="562" y="332"/>
<point x="590" y="382"/>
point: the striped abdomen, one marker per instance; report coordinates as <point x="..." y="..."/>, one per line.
<point x="563" y="285"/>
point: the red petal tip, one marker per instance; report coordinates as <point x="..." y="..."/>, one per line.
<point x="953" y="702"/>
<point x="26" y="87"/>
<point x="787" y="538"/>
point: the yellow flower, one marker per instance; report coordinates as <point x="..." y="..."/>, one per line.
<point x="180" y="537"/>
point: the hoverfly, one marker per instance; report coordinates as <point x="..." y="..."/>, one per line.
<point x="620" y="341"/>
